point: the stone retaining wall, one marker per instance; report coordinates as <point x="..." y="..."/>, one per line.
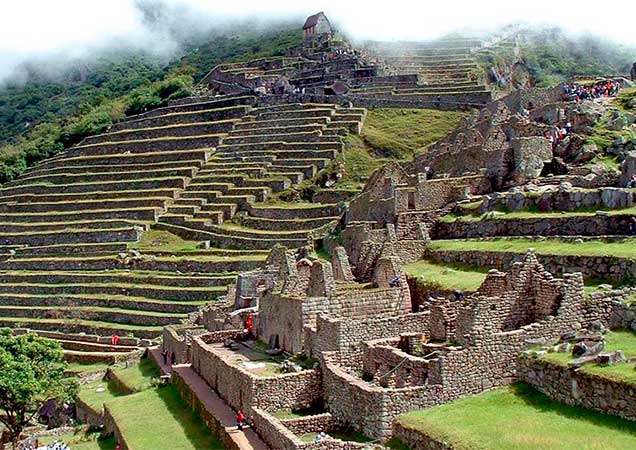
<point x="608" y="268"/>
<point x="575" y="387"/>
<point x="417" y="439"/>
<point x="597" y="225"/>
<point x="244" y="390"/>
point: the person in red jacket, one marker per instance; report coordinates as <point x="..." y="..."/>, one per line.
<point x="240" y="419"/>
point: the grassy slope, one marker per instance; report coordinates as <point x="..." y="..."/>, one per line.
<point x="170" y="418"/>
<point x="624" y="340"/>
<point x="519" y="418"/>
<point x="392" y="134"/>
<point x="137" y="378"/>
<point x="447" y="276"/>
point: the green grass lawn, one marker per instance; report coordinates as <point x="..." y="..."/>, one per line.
<point x="624" y="340"/>
<point x="449" y="276"/>
<point x="82" y="440"/>
<point x="401" y="133"/>
<point x="164" y="241"/>
<point x="622" y="249"/>
<point x="519" y="418"/>
<point x="155" y="417"/>
<point x="391" y="135"/>
<point x="136" y="378"/>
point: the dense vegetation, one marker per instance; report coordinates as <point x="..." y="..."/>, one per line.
<point x="554" y="56"/>
<point x="41" y="117"/>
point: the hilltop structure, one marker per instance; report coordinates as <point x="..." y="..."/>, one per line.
<point x="317" y="26"/>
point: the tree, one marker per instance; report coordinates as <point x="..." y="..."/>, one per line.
<point x="31" y="373"/>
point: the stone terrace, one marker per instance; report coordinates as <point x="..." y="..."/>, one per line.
<point x="68" y="223"/>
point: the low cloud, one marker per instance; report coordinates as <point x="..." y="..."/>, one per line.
<point x="64" y="30"/>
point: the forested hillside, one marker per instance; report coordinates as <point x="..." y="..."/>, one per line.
<point x="45" y="114"/>
<point x="554" y="56"/>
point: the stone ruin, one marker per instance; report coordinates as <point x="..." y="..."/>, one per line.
<point x="375" y="356"/>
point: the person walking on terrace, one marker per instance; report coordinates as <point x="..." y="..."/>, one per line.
<point x="240" y="420"/>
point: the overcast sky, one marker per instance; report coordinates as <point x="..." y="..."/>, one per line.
<point x="72" y="27"/>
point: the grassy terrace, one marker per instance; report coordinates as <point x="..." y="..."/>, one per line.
<point x="146" y="419"/>
<point x="21" y="321"/>
<point x="519" y="418"/>
<point x="449" y="276"/>
<point x="136" y="378"/>
<point x="622" y="249"/>
<point x="392" y="134"/>
<point x="624" y="340"/>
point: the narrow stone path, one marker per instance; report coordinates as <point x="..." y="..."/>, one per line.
<point x="155" y="353"/>
<point x="245" y="440"/>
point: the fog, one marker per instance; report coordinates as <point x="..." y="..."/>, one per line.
<point x="63" y="30"/>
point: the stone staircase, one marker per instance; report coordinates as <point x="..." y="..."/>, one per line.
<point x="269" y="150"/>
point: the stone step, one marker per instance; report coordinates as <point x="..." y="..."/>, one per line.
<point x="93" y="313"/>
<point x="183" y="118"/>
<point x="109" y="168"/>
<point x="126" y="185"/>
<point x="147" y="145"/>
<point x="314" y="136"/>
<point x="10" y="227"/>
<point x="158" y="279"/>
<point x="285" y="130"/>
<point x="136" y="214"/>
<point x="281" y="154"/>
<point x="148" y="157"/>
<point x="180" y="263"/>
<point x="115" y="301"/>
<point x="73" y="249"/>
<point x="90" y="177"/>
<point x="256" y="124"/>
<point x="222" y="241"/>
<point x="293" y="176"/>
<point x="235" y="230"/>
<point x="179" y="209"/>
<point x="176" y="130"/>
<point x="70" y="236"/>
<point x="260" y="223"/>
<point x="294" y="211"/>
<point x="201" y="104"/>
<point x="296" y="114"/>
<point x="84" y="205"/>
<point x="81" y="326"/>
<point x="90" y="195"/>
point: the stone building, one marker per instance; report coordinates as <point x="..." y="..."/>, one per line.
<point x="317" y="25"/>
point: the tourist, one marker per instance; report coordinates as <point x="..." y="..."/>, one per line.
<point x="240" y="419"/>
<point x="114" y="340"/>
<point x="568" y="127"/>
<point x="249" y="324"/>
<point x="632" y="225"/>
<point x="118" y="446"/>
<point x="395" y="281"/>
<point x="632" y="182"/>
<point x="459" y="295"/>
<point x="164" y="356"/>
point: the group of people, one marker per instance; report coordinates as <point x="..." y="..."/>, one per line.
<point x="55" y="445"/>
<point x="604" y="88"/>
<point x="556" y="135"/>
